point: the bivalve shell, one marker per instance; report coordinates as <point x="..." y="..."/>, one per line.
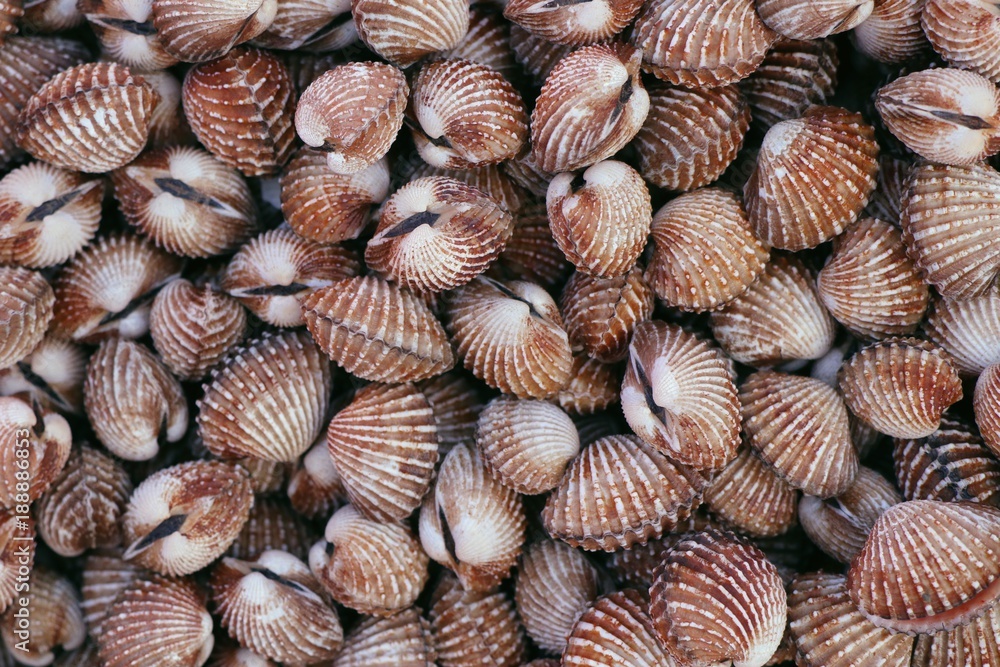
<point x="401" y="640"/>
<point x="39" y="444"/>
<point x="15" y="552"/>
<point x="56" y="621"/>
<point x="986" y="405"/>
<point x="10" y="12"/>
<point x="310" y="25"/>
<point x="487" y="42"/>
<point x="808" y="19"/>
<point x="489" y="179"/>
<point x="532" y="253"/>
<point x="892" y="33"/>
<point x="272" y="526"/>
<point x="198" y="31"/>
<point x="104" y="576"/>
<point x="127" y="33"/>
<point x="750" y="497"/>
<point x="972" y="644"/>
<point x="403" y="32"/>
<point x="573" y="23"/>
<point x="594" y="386"/>
<point x="968" y="330"/>
<point x="536" y="55"/>
<point x="26" y="309"/>
<point x="616" y="630"/>
<point x="601" y="313"/>
<point x="474" y="627"/>
<point x="966" y="33"/>
<point x="455" y="399"/>
<point x="52" y="374"/>
<point x="315" y="488"/>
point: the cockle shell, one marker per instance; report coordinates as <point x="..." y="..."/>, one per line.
<point x="600" y="314"/>
<point x="312" y="25"/>
<point x="126" y="32"/>
<point x="966" y="33"/>
<point x="887" y="200"/>
<point x="593" y="386"/>
<point x="536" y="55"/>
<point x="38" y="446"/>
<point x="986" y="405"/>
<point x="48" y="16"/>
<point x="198" y="31"/>
<point x="487" y="42"/>
<point x="26" y="309"/>
<point x="272" y="526"/>
<point x="52" y="375"/>
<point x="55" y="619"/>
<point x="230" y="654"/>
<point x="401" y="640"/>
<point x="456" y="401"/>
<point x="892" y="33"/>
<point x="403" y="32"/>
<point x="972" y="644"/>
<point x="750" y="497"/>
<point x="968" y="330"/>
<point x="809" y="19"/>
<point x="573" y="22"/>
<point x="167" y="124"/>
<point x="17" y="550"/>
<point x="10" y="12"/>
<point x="315" y="488"/>
<point x="616" y="630"/>
<point x="532" y="254"/>
<point x="489" y="179"/>
<point x="104" y="576"/>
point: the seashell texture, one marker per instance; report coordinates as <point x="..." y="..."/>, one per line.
<point x="892" y="33"/>
<point x="489" y="179"/>
<point x="107" y="290"/>
<point x="691" y="136"/>
<point x="839" y="526"/>
<point x="704" y="253"/>
<point x="38" y="447"/>
<point x="950" y="465"/>
<point x="487" y="42"/>
<point x="437" y="233"/>
<point x="273" y="606"/>
<point x="47" y="214"/>
<point x="353" y="113"/>
<point x="228" y="653"/>
<point x="13" y="554"/>
<point x="716" y="597"/>
<point x="986" y="405"/>
<point x="405" y="32"/>
<point x="966" y="33"/>
<point x="601" y="313"/>
<point x="615" y="630"/>
<point x="573" y="23"/>
<point x="132" y="400"/>
<point x="594" y="386"/>
<point x="870" y="285"/>
<point x="678" y="395"/>
<point x="465" y="115"/>
<point x="52" y="375"/>
<point x="555" y="585"/>
<point x="592" y="104"/>
<point x="949" y="228"/>
<point x="975" y="643"/>
<point x="829" y="630"/>
<point x="272" y="526"/>
<point x="268" y="401"/>
<point x="634" y="567"/>
<point x="315" y="488"/>
<point x="91" y="118"/>
<point x="701" y="43"/>
<point x="750" y="497"/>
<point x="240" y="108"/>
<point x="526" y="444"/>
<point x="314" y="25"/>
<point x="195" y="327"/>
<point x="618" y="493"/>
<point x="384" y="448"/>
<point x="532" y="254"/>
<point x="373" y="568"/>
<point x="475" y="627"/>
<point x="887" y="200"/>
<point x="536" y="55"/>
<point x="600" y="219"/>
<point x="967" y="330"/>
<point x="10" y="12"/>
<point x="83" y="506"/>
<point x="209" y="29"/>
<point x="183" y="517"/>
<point x="48" y="16"/>
<point x="126" y="32"/>
<point x="928" y="566"/>
<point x="779" y="318"/>
<point x="400" y="640"/>
<point x="471" y="523"/>
<point x="801" y="19"/>
<point x="55" y="619"/>
<point x="271" y="274"/>
<point x="900" y="386"/>
<point x="167" y="124"/>
<point x="814" y="176"/>
<point x="26" y="309"/>
<point x="326" y="207"/>
<point x="377" y="331"/>
<point x="511" y="336"/>
<point x="157" y="619"/>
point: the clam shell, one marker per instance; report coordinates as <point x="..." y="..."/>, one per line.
<point x="126" y="32"/>
<point x="373" y="568"/>
<point x="891" y="33"/>
<point x="532" y="253"/>
<point x="56" y="621"/>
<point x="900" y="386"/>
<point x="600" y="314"/>
<point x="207" y="29"/>
<point x="104" y="576"/>
<point x="573" y="23"/>
<point x="456" y="402"/>
<point x="704" y="253"/>
<point x="487" y="42"/>
<point x="471" y="523"/>
<point x="26" y="309"/>
<point x="39" y="444"/>
<point x="15" y="551"/>
<point x="536" y="55"/>
<point x="634" y="567"/>
<point x="972" y="644"/>
<point x="52" y="16"/>
<point x="377" y="331"/>
<point x="576" y="123"/>
<point x="52" y="375"/>
<point x="928" y="566"/>
<point x="814" y="176"/>
<point x="403" y="32"/>
<point x="594" y="386"/>
<point x="809" y="19"/>
<point x="10" y="12"/>
<point x="268" y="401"/>
<point x="167" y="124"/>
<point x="240" y="107"/>
<point x="967" y="330"/>
<point x="314" y="25"/>
<point x="986" y="404"/>
<point x="966" y="33"/>
<point x="401" y="640"/>
<point x="265" y="476"/>
<point x="618" y="493"/>
<point x="716" y="597"/>
<point x="489" y="179"/>
<point x="230" y="654"/>
<point x="887" y="200"/>
<point x="272" y="526"/>
<point x="315" y="488"/>
<point x="384" y="448"/>
<point x="750" y="497"/>
<point x="616" y="630"/>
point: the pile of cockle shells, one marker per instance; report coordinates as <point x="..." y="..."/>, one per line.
<point x="403" y="333"/>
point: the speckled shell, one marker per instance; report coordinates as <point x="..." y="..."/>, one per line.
<point x="310" y="25"/>
<point x="13" y="553"/>
<point x="471" y="523"/>
<point x="456" y="402"/>
<point x="403" y="31"/>
<point x="487" y="42"/>
<point x="377" y="331"/>
<point x="228" y="653"/>
<point x="55" y="619"/>
<point x="576" y="123"/>
<point x="986" y="405"/>
<point x="10" y="12"/>
<point x="892" y="34"/>
<point x="778" y="319"/>
<point x="813" y="19"/>
<point x="594" y="386"/>
<point x="39" y="446"/>
<point x="52" y="375"/>
<point x="315" y="488"/>
<point x="536" y="55"/>
<point x="526" y="444"/>
<point x="618" y="493"/>
<point x="966" y="33"/>
<point x="601" y="313"/>
<point x="615" y="630"/>
<point x="887" y="199"/>
<point x="272" y="526"/>
<point x="972" y="644"/>
<point x="437" y="233"/>
<point x="91" y="118"/>
<point x="928" y="566"/>
<point x="104" y="575"/>
<point x="949" y="228"/>
<point x="600" y="219"/>
<point x="268" y="401"/>
<point x="26" y="308"/>
<point x="532" y="254"/>
<point x="829" y="630"/>
<point x="240" y="107"/>
<point x="384" y="448"/>
<point x="198" y="31"/>
<point x="900" y="386"/>
<point x="968" y="330"/>
<point x="698" y="43"/>
<point x="475" y="627"/>
<point x="715" y="598"/>
<point x="465" y="115"/>
<point x="47" y="214"/>
<point x="572" y="22"/>
<point x="353" y="113"/>
<point x="814" y="176"/>
<point x="401" y="640"/>
<point x="678" y="395"/>
<point x="327" y="207"/>
<point x="750" y="497"/>
<point x="490" y="179"/>
<point x="167" y="124"/>
<point x="704" y="253"/>
<point x="157" y="619"/>
<point x="799" y="427"/>
<point x="690" y="137"/>
<point x="126" y="32"/>
<point x="373" y="568"/>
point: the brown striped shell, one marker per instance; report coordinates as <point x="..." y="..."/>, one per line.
<point x="401" y="640"/>
<point x="966" y="33"/>
<point x="167" y="124"/>
<point x="39" y="443"/>
<point x="532" y="254"/>
<point x="716" y="597"/>
<point x="679" y="396"/>
<point x="813" y="19"/>
<point x="634" y="567"/>
<point x="645" y="495"/>
<point x="986" y="405"/>
<point x="104" y="576"/>
<point x="489" y="179"/>
<point x="315" y="488"/>
<point x="207" y="29"/>
<point x="616" y="630"/>
<point x="52" y="375"/>
<point x="968" y="330"/>
<point x="892" y="33"/>
<point x="704" y="253"/>
<point x="456" y="401"/>
<point x="403" y="31"/>
<point x="887" y="200"/>
<point x="592" y="104"/>
<point x="377" y="331"/>
<point x="593" y="386"/>
<point x="572" y="22"/>
<point x="126" y="32"/>
<point x="750" y="497"/>
<point x="600" y="314"/>
<point x="272" y="526"/>
<point x="17" y="548"/>
<point x="974" y="644"/>
<point x="310" y="25"/>
<point x="487" y="42"/>
<point x="536" y="55"/>
<point x="10" y="12"/>
<point x="471" y="523"/>
<point x="240" y="107"/>
<point x="54" y="621"/>
<point x="268" y="401"/>
<point x="26" y="309"/>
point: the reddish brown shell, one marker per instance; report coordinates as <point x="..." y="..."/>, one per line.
<point x="310" y="25"/>
<point x="573" y="23"/>
<point x="616" y="630"/>
<point x="52" y="375"/>
<point x="634" y="567"/>
<point x="26" y="308"/>
<point x="532" y="254"/>
<point x="593" y="386"/>
<point x="401" y="640"/>
<point x="167" y="124"/>
<point x="601" y="313"/>
<point x="315" y="488"/>
<point x="10" y="12"/>
<point x="750" y="497"/>
<point x="967" y="330"/>
<point x="40" y="443"/>
<point x="55" y="619"/>
<point x="490" y="179"/>
<point x="403" y="32"/>
<point x="456" y="401"/>
<point x="487" y="42"/>
<point x="272" y="526"/>
<point x="887" y="200"/>
<point x="892" y="33"/>
<point x="986" y="404"/>
<point x="17" y="548"/>
<point x="207" y="29"/>
<point x="966" y="33"/>
<point x="813" y="19"/>
<point x="973" y="644"/>
<point x="536" y="55"/>
<point x="126" y="33"/>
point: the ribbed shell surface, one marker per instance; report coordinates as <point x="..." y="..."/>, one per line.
<point x="975" y="645"/>
<point x="532" y="254"/>
<point x="574" y="23"/>
<point x="26" y="308"/>
<point x="968" y="330"/>
<point x="616" y="630"/>
<point x="892" y="33"/>
<point x="749" y="496"/>
<point x="813" y="19"/>
<point x="986" y="405"/>
<point x="401" y="640"/>
<point x="475" y="628"/>
<point x="966" y="33"/>
<point x="196" y="31"/>
<point x="104" y="575"/>
<point x="403" y="32"/>
<point x="601" y="313"/>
